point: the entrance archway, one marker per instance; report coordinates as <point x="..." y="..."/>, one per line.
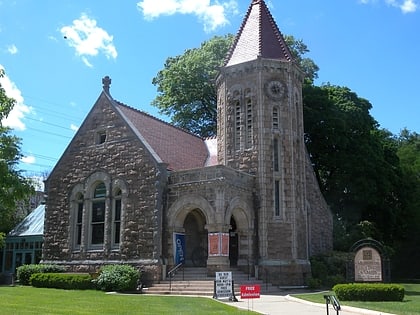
<point x="233" y="243"/>
<point x="195" y="239"/>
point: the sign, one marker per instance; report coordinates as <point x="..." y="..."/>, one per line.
<point x="223" y="285"/>
<point x="179" y="248"/>
<point x="218" y="244"/>
<point x="368" y="265"/>
<point x="250" y="291"/>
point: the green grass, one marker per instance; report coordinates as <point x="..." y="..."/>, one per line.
<point x="22" y="300"/>
<point x="410" y="305"/>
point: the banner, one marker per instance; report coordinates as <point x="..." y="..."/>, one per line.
<point x="179" y="247"/>
<point x="218" y="244"/>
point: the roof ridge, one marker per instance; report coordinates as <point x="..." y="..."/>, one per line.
<point x="157" y="119"/>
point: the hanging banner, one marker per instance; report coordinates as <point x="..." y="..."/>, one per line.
<point x="179" y="247"/>
<point x="218" y="244"/>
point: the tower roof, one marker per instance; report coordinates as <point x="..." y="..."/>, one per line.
<point x="258" y="36"/>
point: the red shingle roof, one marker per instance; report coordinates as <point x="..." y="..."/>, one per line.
<point x="178" y="148"/>
<point x="258" y="36"/>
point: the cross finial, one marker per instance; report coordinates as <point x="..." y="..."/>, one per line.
<point x="106" y="82"/>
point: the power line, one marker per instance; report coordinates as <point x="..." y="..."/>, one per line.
<point x="49" y="124"/>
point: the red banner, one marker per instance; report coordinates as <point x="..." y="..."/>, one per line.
<point x="250" y="291"/>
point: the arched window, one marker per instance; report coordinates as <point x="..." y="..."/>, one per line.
<point x="98" y="215"/>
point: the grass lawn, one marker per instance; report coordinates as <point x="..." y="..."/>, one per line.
<point x="28" y="300"/>
<point x="410" y="305"/>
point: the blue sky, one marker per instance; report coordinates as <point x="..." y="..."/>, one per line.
<point x="55" y="54"/>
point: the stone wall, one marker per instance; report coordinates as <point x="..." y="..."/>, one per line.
<point x="120" y="159"/>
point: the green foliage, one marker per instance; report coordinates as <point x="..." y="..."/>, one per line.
<point x="356" y="165"/>
<point x="369" y="292"/>
<point x="67" y="281"/>
<point x="328" y="269"/>
<point x="117" y="278"/>
<point x="2" y="239"/>
<point x="13" y="186"/>
<point x="25" y="272"/>
<point x="186" y="89"/>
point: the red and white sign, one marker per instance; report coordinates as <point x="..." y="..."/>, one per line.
<point x="250" y="291"/>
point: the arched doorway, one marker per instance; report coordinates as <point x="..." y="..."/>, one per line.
<point x="233" y="243"/>
<point x="195" y="239"/>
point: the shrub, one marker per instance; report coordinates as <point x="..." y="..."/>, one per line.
<point x="329" y="269"/>
<point x="117" y="278"/>
<point x="68" y="281"/>
<point x="369" y="292"/>
<point x="25" y="272"/>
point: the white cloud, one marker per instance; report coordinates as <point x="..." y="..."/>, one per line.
<point x="74" y="127"/>
<point x="30" y="159"/>
<point x="212" y="15"/>
<point x="88" y="39"/>
<point x="15" y="118"/>
<point x="12" y="49"/>
<point x="406" y="6"/>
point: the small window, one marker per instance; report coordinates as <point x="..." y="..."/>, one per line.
<point x="277" y="198"/>
<point x="101" y="137"/>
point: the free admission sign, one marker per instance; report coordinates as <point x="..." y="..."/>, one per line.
<point x="250" y="291"/>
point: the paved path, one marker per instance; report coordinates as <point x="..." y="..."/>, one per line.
<point x="287" y="305"/>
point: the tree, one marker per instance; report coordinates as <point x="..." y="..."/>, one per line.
<point x="13" y="186"/>
<point x="355" y="162"/>
<point x="186" y="87"/>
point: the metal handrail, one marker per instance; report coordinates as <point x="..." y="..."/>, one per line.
<point x="172" y="272"/>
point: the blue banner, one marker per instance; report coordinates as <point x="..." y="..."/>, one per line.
<point x="179" y="248"/>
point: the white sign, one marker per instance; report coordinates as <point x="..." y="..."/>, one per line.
<point x="223" y="285"/>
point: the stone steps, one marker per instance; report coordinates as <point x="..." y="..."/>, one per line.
<point x="194" y="281"/>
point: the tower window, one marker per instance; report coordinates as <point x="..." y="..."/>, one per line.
<point x="275" y="118"/>
<point x="248" y="123"/>
<point x="237" y="125"/>
<point x="276" y="154"/>
<point x="277" y="198"/>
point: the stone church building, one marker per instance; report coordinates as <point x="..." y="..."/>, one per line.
<point x="133" y="189"/>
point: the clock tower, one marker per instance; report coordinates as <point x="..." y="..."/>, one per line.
<point x="260" y="132"/>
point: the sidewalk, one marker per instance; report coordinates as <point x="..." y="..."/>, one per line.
<point x="288" y="305"/>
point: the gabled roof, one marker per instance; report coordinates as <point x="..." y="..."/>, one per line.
<point x="174" y="146"/>
<point x="33" y="224"/>
<point x="258" y="36"/>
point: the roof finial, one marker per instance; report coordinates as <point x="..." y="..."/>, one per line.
<point x="106" y="82"/>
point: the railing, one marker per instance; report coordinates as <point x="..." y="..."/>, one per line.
<point x="173" y="271"/>
<point x="332" y="299"/>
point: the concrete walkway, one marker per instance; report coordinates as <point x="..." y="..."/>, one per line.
<point x="288" y="305"/>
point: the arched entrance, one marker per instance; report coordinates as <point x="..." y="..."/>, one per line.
<point x="233" y="243"/>
<point x="195" y="239"/>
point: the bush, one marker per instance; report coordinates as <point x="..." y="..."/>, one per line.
<point x="68" y="281"/>
<point x="25" y="272"/>
<point x="369" y="292"/>
<point x="117" y="278"/>
<point x="328" y="269"/>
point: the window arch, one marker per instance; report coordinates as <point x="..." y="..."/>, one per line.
<point x="97" y="209"/>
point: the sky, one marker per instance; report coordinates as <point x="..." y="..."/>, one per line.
<point x="55" y="54"/>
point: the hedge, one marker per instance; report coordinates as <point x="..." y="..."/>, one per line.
<point x="369" y="292"/>
<point x="68" y="281"/>
<point x="25" y="272"/>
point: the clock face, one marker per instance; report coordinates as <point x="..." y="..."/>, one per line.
<point x="275" y="89"/>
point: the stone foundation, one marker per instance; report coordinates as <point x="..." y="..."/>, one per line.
<point x="284" y="273"/>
